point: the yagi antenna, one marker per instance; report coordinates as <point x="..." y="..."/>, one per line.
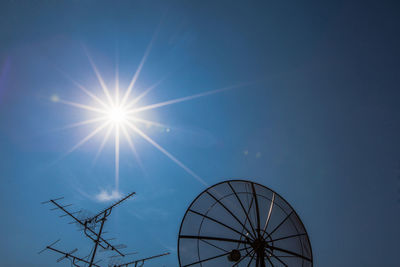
<point x="68" y="254"/>
<point x="44" y="202"/>
<point x="52" y="244"/>
<point x="126" y="254"/>
<point x="141" y="261"/>
<point x="93" y="229"/>
<point x="108" y="210"/>
<point x="56" y="208"/>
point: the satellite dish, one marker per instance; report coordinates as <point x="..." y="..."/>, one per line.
<point x="242" y="223"/>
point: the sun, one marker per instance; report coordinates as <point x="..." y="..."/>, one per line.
<point x="117" y="111"/>
<point x="117" y="115"/>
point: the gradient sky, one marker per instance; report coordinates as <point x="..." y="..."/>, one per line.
<point x="318" y="120"/>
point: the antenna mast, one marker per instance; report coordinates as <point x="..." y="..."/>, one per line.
<point x="89" y="225"/>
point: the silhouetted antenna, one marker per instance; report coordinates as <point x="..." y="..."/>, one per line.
<point x="44" y="202"/>
<point x="52" y="244"/>
<point x="67" y="255"/>
<point x="242" y="222"/>
<point x="89" y="225"/>
<point x="140" y="261"/>
<point x="76" y="212"/>
<point x="118" y="256"/>
<point x="56" y="208"/>
<point x="89" y="232"/>
<point x="108" y="210"/>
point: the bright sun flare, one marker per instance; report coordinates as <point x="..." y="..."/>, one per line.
<point x="117" y="115"/>
<point x="120" y="114"/>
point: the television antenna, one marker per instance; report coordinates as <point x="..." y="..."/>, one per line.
<point x="242" y="223"/>
<point x="89" y="225"/>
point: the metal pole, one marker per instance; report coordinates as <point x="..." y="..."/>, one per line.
<point x="97" y="240"/>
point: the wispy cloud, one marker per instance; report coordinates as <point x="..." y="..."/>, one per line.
<point x="105" y="196"/>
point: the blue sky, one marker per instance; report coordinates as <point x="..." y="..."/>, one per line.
<point x="317" y="119"/>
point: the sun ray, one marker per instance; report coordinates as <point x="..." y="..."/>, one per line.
<point x="148" y="122"/>
<point x="78" y="105"/>
<point x="178" y="100"/>
<point x="143" y="94"/>
<point x="132" y="146"/>
<point x="100" y="79"/>
<point x="137" y="73"/>
<point x="165" y="152"/>
<point x="77" y="124"/>
<point x="116" y="157"/>
<point x="103" y="144"/>
<point x="84" y="89"/>
<point x="119" y="111"/>
<point x="85" y="122"/>
<point x="116" y="81"/>
<point x="94" y="97"/>
<point x="88" y="137"/>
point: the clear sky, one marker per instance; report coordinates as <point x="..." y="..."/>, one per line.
<point x="316" y="118"/>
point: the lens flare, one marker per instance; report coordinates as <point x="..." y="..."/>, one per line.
<point x="120" y="114"/>
<point x="117" y="115"/>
